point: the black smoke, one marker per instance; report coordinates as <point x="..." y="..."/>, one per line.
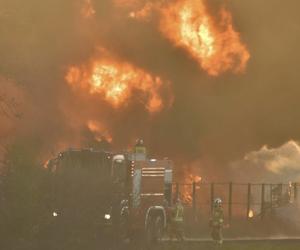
<point x="217" y="119"/>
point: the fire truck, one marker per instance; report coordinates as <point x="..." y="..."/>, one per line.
<point x="143" y="212"/>
<point x="123" y="194"/>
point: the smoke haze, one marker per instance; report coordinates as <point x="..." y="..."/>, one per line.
<point x="213" y="120"/>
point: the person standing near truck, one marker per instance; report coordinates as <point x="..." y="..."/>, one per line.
<point x="217" y="222"/>
<point x="176" y="223"/>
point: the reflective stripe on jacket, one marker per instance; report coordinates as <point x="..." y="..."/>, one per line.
<point x="217" y="217"/>
<point x="179" y="213"/>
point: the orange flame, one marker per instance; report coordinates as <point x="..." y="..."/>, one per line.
<point x="88" y="10"/>
<point x="99" y="130"/>
<point x="216" y="46"/>
<point x="122" y="3"/>
<point x="143" y="9"/>
<point x="186" y="191"/>
<point x="117" y="82"/>
<point x="144" y="12"/>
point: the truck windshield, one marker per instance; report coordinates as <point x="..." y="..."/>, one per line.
<point x="90" y="162"/>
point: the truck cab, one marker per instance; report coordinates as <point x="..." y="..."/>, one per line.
<point x="126" y="193"/>
<point x="87" y="186"/>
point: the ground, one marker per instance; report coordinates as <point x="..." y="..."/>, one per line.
<point x="243" y="245"/>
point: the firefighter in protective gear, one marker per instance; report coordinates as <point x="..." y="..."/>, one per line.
<point x="139" y="146"/>
<point x="139" y="151"/>
<point x="176" y="227"/>
<point x="217" y="221"/>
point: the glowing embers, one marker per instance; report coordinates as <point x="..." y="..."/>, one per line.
<point x="117" y="82"/>
<point x="214" y="44"/>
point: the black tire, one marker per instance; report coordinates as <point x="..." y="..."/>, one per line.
<point x="154" y="231"/>
<point x="159" y="229"/>
<point x="123" y="227"/>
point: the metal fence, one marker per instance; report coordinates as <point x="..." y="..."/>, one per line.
<point x="240" y="200"/>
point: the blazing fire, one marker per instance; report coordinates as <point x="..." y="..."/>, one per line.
<point x="122" y="3"/>
<point x="117" y="82"/>
<point x="145" y="11"/>
<point x="99" y="130"/>
<point x="186" y="192"/>
<point x="211" y="41"/>
<point x="215" y="45"/>
<point x="194" y="178"/>
<point x="88" y="10"/>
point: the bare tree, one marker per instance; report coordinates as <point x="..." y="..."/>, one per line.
<point x="8" y="107"/>
<point x="9" y="110"/>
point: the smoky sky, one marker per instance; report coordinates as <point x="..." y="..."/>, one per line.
<point x="218" y="118"/>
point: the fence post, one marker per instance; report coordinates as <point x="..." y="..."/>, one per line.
<point x="177" y="191"/>
<point x="194" y="200"/>
<point x="230" y="202"/>
<point x="262" y="210"/>
<point x="295" y="192"/>
<point x="212" y="195"/>
<point x="281" y="189"/>
<point x="271" y="196"/>
<point x="248" y="200"/>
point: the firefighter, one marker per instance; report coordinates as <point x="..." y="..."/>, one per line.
<point x="140" y="146"/>
<point x="217" y="221"/>
<point x="176" y="224"/>
<point x="139" y="151"/>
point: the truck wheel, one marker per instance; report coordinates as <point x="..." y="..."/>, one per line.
<point x="154" y="231"/>
<point x="123" y="228"/>
<point x="158" y="229"/>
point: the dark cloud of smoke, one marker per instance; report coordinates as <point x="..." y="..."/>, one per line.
<point x="214" y="120"/>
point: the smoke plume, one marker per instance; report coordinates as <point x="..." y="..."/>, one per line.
<point x="211" y="119"/>
<point x="281" y="164"/>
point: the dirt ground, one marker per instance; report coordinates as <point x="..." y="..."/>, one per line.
<point x="240" y="245"/>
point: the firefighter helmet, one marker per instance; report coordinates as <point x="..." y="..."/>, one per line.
<point x="218" y="202"/>
<point x="139" y="142"/>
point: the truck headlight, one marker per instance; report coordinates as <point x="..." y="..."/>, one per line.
<point x="107" y="216"/>
<point x="55" y="214"/>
